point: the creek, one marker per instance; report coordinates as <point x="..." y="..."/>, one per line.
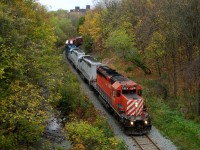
<point x="54" y="136"/>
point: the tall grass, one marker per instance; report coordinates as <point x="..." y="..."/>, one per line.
<point x="185" y="134"/>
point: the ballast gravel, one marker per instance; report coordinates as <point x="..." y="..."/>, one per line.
<point x="162" y="142"/>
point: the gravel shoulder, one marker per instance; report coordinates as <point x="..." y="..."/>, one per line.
<point x="163" y="143"/>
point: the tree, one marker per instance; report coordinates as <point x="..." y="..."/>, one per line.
<point x="62" y="24"/>
<point x="92" y="26"/>
<point x="26" y="70"/>
<point x="120" y="42"/>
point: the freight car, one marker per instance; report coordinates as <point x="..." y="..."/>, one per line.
<point x="118" y="93"/>
<point x="77" y="41"/>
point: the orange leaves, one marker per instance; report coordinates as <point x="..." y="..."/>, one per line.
<point x="92" y="26"/>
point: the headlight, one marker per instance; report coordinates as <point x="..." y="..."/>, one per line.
<point x="132" y="123"/>
<point x="136" y="104"/>
<point x="146" y="122"/>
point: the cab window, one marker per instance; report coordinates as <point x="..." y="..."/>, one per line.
<point x="128" y="91"/>
<point x="118" y="93"/>
<point x="113" y="93"/>
<point x="140" y="92"/>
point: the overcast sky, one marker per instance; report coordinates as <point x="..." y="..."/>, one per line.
<point x="65" y="4"/>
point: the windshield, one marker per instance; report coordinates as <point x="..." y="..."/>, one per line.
<point x="129" y="91"/>
<point x="132" y="96"/>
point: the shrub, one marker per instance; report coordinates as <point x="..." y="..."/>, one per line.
<point x="90" y="137"/>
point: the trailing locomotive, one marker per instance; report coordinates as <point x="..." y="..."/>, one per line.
<point x="88" y="68"/>
<point x="74" y="55"/>
<point x="118" y="93"/>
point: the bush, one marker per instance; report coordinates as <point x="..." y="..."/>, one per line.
<point x="89" y="137"/>
<point x="87" y="44"/>
<point x="102" y="124"/>
<point x="72" y="97"/>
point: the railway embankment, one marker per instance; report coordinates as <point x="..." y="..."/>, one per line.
<point x="162" y="142"/>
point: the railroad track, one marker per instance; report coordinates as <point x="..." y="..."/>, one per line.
<point x="144" y="143"/>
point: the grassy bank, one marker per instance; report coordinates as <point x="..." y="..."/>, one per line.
<point x="184" y="133"/>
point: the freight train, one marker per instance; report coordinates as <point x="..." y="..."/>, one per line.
<point x="118" y="93"/>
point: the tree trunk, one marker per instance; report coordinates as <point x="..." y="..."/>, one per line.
<point x="198" y="97"/>
<point x="174" y="74"/>
<point x="158" y="67"/>
<point x="198" y="105"/>
<point x="168" y="70"/>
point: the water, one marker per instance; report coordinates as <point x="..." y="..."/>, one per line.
<point x="53" y="137"/>
<point x="54" y="134"/>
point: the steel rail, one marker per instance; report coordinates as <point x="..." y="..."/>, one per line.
<point x="145" y="143"/>
<point x="153" y="142"/>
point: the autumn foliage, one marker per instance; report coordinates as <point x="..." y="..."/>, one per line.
<point x="160" y="37"/>
<point x="27" y="83"/>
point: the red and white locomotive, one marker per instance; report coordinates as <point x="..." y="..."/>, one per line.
<point x="118" y="93"/>
<point x="123" y="96"/>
